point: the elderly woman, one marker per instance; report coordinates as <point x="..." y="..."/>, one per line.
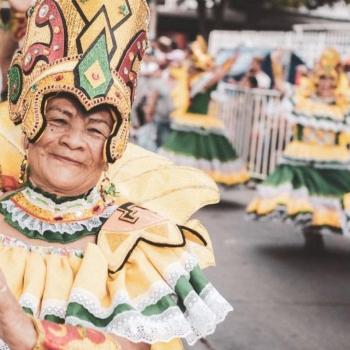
<point x="82" y="267"/>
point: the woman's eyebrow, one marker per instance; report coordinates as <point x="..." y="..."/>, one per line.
<point x="59" y="109"/>
<point x="98" y="120"/>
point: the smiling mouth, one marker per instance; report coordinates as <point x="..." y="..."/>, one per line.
<point x="66" y="159"/>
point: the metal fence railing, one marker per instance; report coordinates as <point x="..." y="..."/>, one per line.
<point x="307" y="43"/>
<point x="256" y="124"/>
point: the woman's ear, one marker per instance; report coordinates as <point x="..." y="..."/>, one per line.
<point x="25" y="142"/>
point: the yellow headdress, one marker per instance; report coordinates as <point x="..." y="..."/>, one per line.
<point x="89" y="48"/>
<point x="200" y="55"/>
<point x="328" y="65"/>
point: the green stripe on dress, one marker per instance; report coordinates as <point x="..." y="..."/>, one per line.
<point x="200" y="146"/>
<point x="319" y="182"/>
<point x="182" y="289"/>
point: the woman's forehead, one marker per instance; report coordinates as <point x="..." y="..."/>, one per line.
<point x="71" y="106"/>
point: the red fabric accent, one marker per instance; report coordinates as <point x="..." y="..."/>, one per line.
<point x="136" y="50"/>
<point x="56" y="49"/>
<point x="8" y="183"/>
<point x="58" y="337"/>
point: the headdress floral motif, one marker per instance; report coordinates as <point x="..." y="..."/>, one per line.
<point x="89" y="48"/>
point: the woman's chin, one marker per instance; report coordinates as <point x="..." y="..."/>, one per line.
<point x="68" y="184"/>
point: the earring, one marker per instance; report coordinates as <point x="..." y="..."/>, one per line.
<point x="108" y="191"/>
<point x="23" y="177"/>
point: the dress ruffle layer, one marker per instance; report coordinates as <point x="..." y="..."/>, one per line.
<point x="143" y="282"/>
<point x="210" y="152"/>
<point x="308" y="197"/>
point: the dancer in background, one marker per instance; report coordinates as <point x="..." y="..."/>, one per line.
<point x="308" y="186"/>
<point x="198" y="137"/>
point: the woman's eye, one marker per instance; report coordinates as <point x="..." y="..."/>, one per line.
<point x="96" y="131"/>
<point x="58" y="121"/>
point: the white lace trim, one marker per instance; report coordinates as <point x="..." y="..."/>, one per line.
<point x="302" y="193"/>
<point x="320" y="164"/>
<point x="54" y="307"/>
<point x="202" y="315"/>
<point x="31" y="302"/>
<point x="3" y="346"/>
<point x="214" y="165"/>
<point x="26" y="221"/>
<point x="322" y="123"/>
<point x="203" y="312"/>
<point x="45" y="203"/>
<point x="6" y="241"/>
<point x="205" y="130"/>
<point x="180" y="269"/>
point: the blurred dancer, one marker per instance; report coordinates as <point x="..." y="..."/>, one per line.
<point x="197" y="138"/>
<point x="12" y="30"/>
<point x="308" y="185"/>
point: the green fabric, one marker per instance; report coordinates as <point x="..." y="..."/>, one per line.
<point x="200" y="146"/>
<point x="200" y="103"/>
<point x="28" y="311"/>
<point x="198" y="279"/>
<point x="319" y="182"/>
<point x="183" y="287"/>
<point x="54" y="319"/>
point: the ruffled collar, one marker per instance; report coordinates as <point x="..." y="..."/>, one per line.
<point x="41" y="215"/>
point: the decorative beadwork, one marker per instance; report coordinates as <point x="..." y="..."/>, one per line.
<point x="38" y="216"/>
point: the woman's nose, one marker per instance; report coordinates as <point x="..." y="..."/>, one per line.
<point x="74" y="137"/>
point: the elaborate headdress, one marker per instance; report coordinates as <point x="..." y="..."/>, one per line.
<point x="91" y="49"/>
<point x="328" y="65"/>
<point x="200" y="56"/>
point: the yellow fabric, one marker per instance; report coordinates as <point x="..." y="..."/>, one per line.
<point x="236" y="178"/>
<point x="317" y="152"/>
<point x="308" y="107"/>
<point x="321" y="216"/>
<point x="11" y="149"/>
<point x="192" y="119"/>
<point x="167" y="184"/>
<point x="138" y="265"/>
<point x="175" y="344"/>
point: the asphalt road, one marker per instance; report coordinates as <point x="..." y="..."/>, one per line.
<point x="285" y="298"/>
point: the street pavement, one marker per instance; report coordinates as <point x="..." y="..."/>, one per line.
<point x="285" y="298"/>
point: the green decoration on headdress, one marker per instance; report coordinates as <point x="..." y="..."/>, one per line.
<point x="15" y="83"/>
<point x="94" y="75"/>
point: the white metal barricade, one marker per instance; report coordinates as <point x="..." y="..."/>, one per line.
<point x="307" y="44"/>
<point x="256" y="124"/>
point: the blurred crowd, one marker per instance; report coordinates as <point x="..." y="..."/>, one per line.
<point x="281" y="70"/>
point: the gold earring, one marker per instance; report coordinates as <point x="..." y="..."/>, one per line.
<point x="108" y="191"/>
<point x="23" y="177"/>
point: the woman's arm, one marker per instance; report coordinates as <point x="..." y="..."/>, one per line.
<point x="21" y="332"/>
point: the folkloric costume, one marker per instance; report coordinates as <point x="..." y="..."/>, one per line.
<point x="308" y="186"/>
<point x="142" y="279"/>
<point x="198" y="138"/>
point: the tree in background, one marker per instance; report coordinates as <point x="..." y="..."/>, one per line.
<point x="252" y="9"/>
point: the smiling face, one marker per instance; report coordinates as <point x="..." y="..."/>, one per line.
<point x="67" y="160"/>
<point x="326" y="87"/>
